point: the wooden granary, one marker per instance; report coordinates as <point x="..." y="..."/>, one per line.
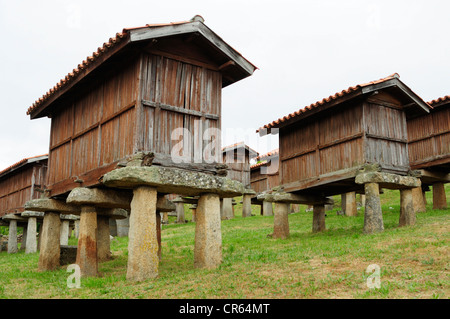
<point x="429" y="148"/>
<point x="237" y="157"/>
<point x="137" y="120"/>
<point x="131" y="95"/>
<point x="264" y="174"/>
<point x="21" y="182"/>
<point x="352" y="140"/>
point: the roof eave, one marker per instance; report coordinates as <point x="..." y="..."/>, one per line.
<point x="193" y="27"/>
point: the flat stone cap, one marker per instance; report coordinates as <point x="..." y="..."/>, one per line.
<point x="113" y="213"/>
<point x="106" y="198"/>
<point x="50" y="205"/>
<point x="388" y="179"/>
<point x="16" y="217"/>
<point x="172" y="181"/>
<point x="69" y="217"/>
<point x="249" y="191"/>
<point x="293" y="198"/>
<point x="29" y="213"/>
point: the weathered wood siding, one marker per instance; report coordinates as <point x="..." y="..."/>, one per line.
<point x="429" y="138"/>
<point x="176" y="94"/>
<point x="95" y="130"/>
<point x="328" y="144"/>
<point x="386" y="133"/>
<point x="21" y="186"/>
<point x="135" y="109"/>
<point x="265" y="177"/>
<point x="344" y="137"/>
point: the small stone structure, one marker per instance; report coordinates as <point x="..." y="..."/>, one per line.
<point x="282" y="201"/>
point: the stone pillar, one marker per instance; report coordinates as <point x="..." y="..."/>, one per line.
<point x="281" y="221"/>
<point x="208" y="235"/>
<point x="417" y="197"/>
<point x="31" y="245"/>
<point x="180" y="213"/>
<point x="350" y="204"/>
<point x="143" y="261"/>
<point x="23" y="244"/>
<point x="12" y="238"/>
<point x="193" y="211"/>
<point x="50" y="250"/>
<point x="87" y="242"/>
<point x="123" y="226"/>
<point x="407" y="212"/>
<point x="373" y="216"/>
<point x="439" y="199"/>
<point x="267" y="208"/>
<point x="227" y="208"/>
<point x="318" y="218"/>
<point x="246" y="205"/>
<point x="103" y="240"/>
<point x="363" y="200"/>
<point x="77" y="228"/>
<point x="112" y="227"/>
<point x="158" y="233"/>
<point x="64" y="236"/>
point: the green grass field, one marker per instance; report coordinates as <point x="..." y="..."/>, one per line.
<point x="414" y="261"/>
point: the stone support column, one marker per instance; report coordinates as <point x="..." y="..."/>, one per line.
<point x="180" y="213"/>
<point x="246" y="205"/>
<point x="318" y="218"/>
<point x="350" y="204"/>
<point x="31" y="246"/>
<point x="123" y="226"/>
<point x="50" y="242"/>
<point x="267" y="208"/>
<point x="103" y="240"/>
<point x="208" y="235"/>
<point x="417" y="197"/>
<point x="439" y="199"/>
<point x="77" y="228"/>
<point x="281" y="221"/>
<point x="373" y="216"/>
<point x="158" y="234"/>
<point x="87" y="257"/>
<point x="227" y="208"/>
<point x="64" y="236"/>
<point x="407" y="212"/>
<point x="23" y="244"/>
<point x="363" y="200"/>
<point x="143" y="261"/>
<point x="12" y="238"/>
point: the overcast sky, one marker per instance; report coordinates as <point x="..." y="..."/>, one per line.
<point x="305" y="51"/>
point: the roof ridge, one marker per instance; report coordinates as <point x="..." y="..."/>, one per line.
<point x="24" y="160"/>
<point x="328" y="99"/>
<point x="95" y="55"/>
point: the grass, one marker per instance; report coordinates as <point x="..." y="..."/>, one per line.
<point x="413" y="261"/>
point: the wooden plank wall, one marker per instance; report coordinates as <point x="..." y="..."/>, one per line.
<point x="21" y="186"/>
<point x="321" y="146"/>
<point x="386" y="133"/>
<point x="96" y="129"/>
<point x="429" y="138"/>
<point x="176" y="94"/>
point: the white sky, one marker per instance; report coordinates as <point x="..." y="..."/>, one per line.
<point x="305" y="51"/>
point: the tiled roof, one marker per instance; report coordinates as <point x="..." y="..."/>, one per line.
<point x="327" y="100"/>
<point x="268" y="154"/>
<point x="238" y="145"/>
<point x="21" y="162"/>
<point x="97" y="55"/>
<point x="440" y="100"/>
<point x="263" y="158"/>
